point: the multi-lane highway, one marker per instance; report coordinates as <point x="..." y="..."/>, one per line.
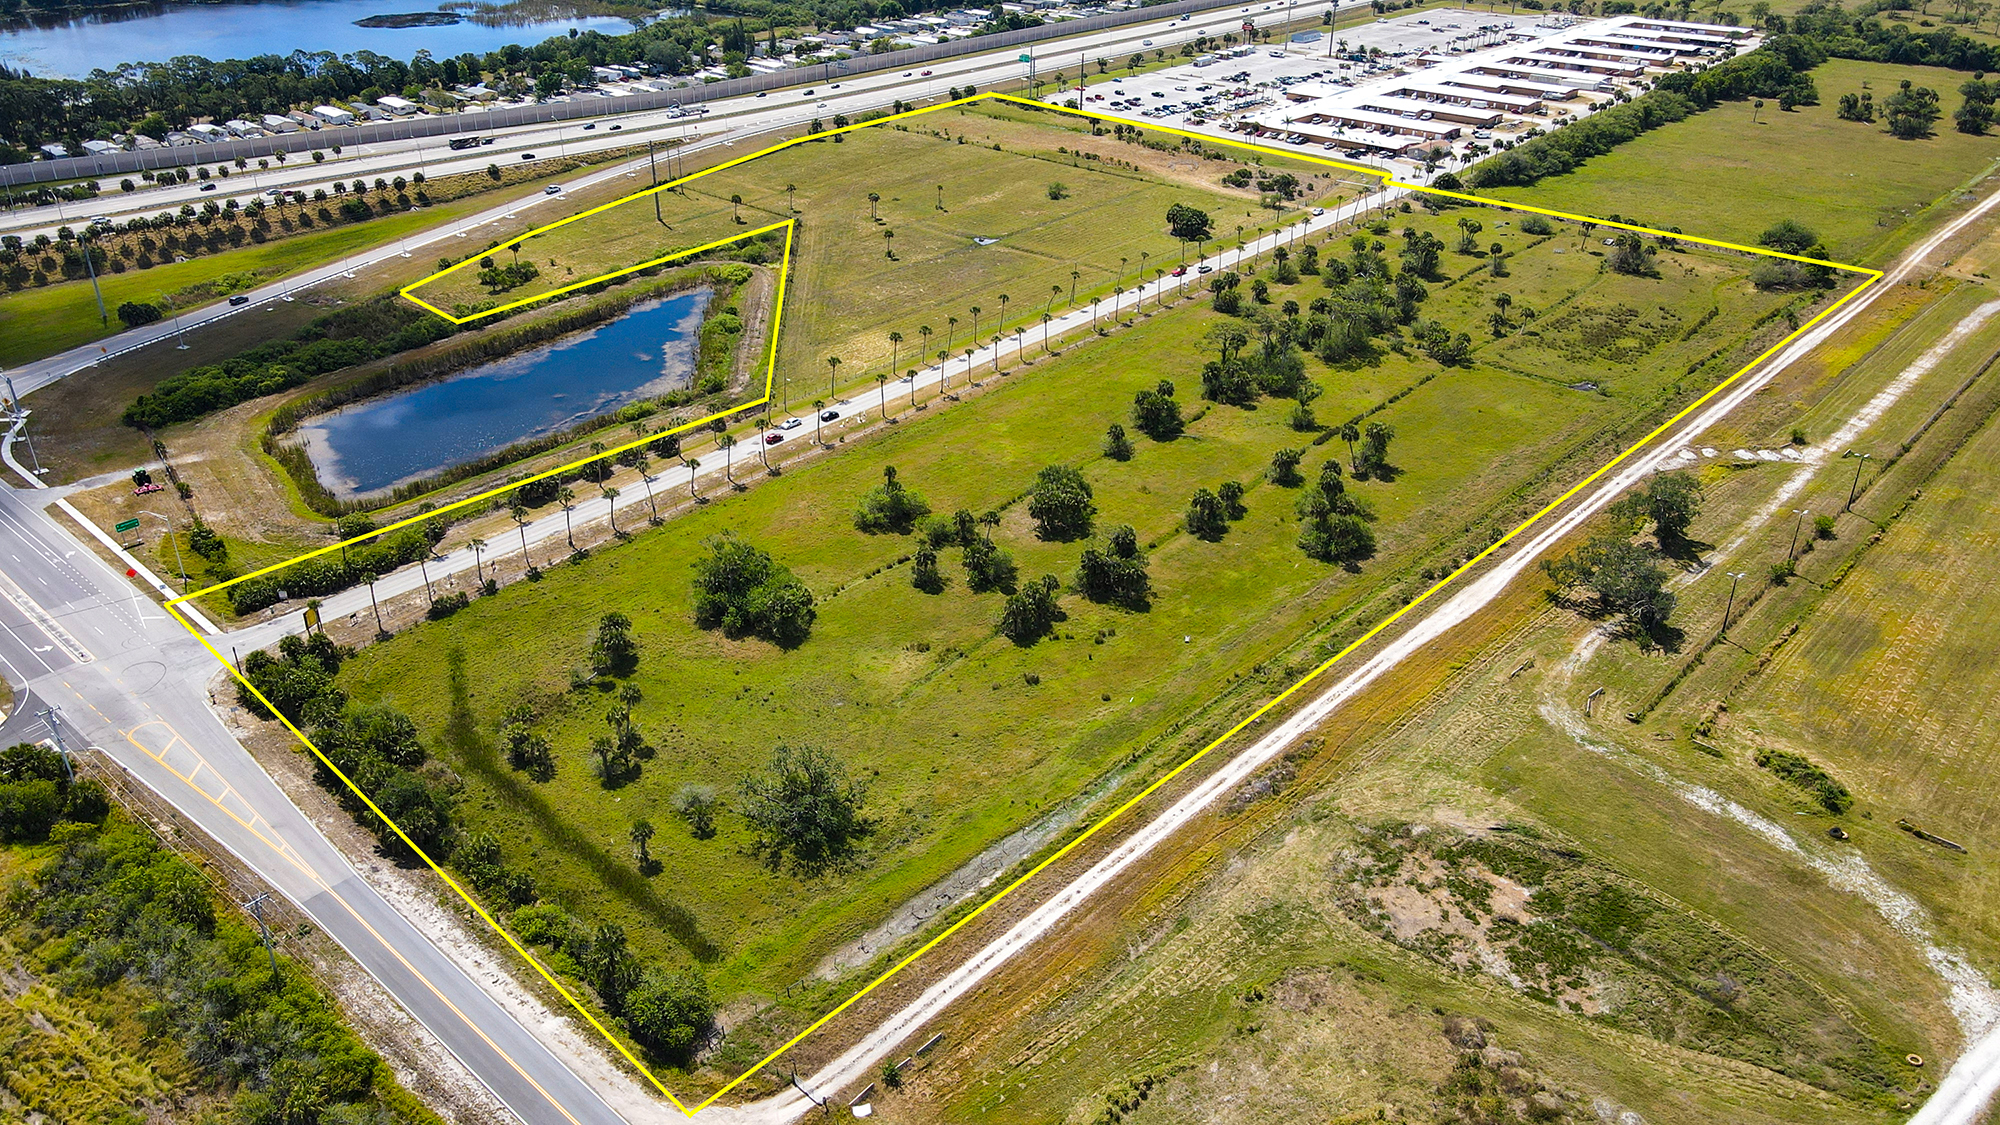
<point x="820" y="91"/>
<point x="733" y="124"/>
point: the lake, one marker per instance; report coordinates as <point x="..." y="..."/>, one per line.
<point x="74" y="46"/>
<point x="379" y="444"/>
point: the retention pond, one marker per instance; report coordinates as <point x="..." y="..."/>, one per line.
<point x="381" y="443"/>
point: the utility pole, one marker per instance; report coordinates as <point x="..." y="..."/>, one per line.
<point x="1734" y="578"/>
<point x="655" y="169"/>
<point x="1792" y="555"/>
<point x="52" y="717"/>
<point x="256" y="907"/>
<point x="90" y="264"/>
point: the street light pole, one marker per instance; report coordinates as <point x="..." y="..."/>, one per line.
<point x="1734" y="578"/>
<point x="178" y="565"/>
<point x="1855" y="489"/>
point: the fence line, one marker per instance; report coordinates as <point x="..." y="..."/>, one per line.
<point x="436" y="125"/>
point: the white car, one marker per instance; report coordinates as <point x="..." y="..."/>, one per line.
<point x="792" y="423"/>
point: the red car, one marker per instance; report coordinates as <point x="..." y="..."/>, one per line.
<point x="1180" y="271"/>
<point x="773" y="439"/>
<point x="926" y="74"/>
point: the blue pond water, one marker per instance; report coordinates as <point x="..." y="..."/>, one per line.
<point x="73" y="47"/>
<point x="381" y="443"/>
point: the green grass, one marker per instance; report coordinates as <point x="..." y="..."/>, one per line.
<point x="1716" y="174"/>
<point x="858" y="294"/>
<point x="39" y="322"/>
<point x="1886" y="686"/>
<point x="917" y="691"/>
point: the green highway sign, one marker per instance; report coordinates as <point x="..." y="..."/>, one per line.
<point x="128" y="525"/>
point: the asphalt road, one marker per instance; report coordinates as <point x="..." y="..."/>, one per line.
<point x="728" y="124"/>
<point x="127" y="679"/>
<point x="748" y="114"/>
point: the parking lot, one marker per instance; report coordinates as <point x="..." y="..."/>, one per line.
<point x="1272" y="91"/>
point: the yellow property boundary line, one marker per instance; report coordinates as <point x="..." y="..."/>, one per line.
<point x="1870" y="277"/>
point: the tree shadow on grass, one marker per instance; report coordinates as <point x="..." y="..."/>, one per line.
<point x="479" y="757"/>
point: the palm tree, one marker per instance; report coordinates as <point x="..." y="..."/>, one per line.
<point x="996" y="355"/>
<point x="888" y="236"/>
<point x="882" y="388"/>
<point x="1074" y="276"/>
<point x="924" y="330"/>
<point x="873" y="199"/>
<point x="1094" y="302"/>
<point x="611" y="497"/>
<point x="370" y="578"/>
<point x="1045" y="333"/>
<point x="819" y="408"/>
<point x="1020" y="334"/>
<point x="1350" y="433"/>
<point x="520" y="514"/>
<point x="642" y="833"/>
<point x="1117" y="300"/>
<point x="789" y="189"/>
<point x="946" y="382"/>
<point x="764" y="447"/>
<point x="950" y="330"/>
<point x="1055" y="291"/>
<point x="647" y="479"/>
<point x="989" y="520"/>
<point x="895" y="344"/>
<point x="1143" y="255"/>
<point x="975" y="323"/>
<point x="833" y="369"/>
<point x="727" y="443"/>
<point x="736" y="208"/>
<point x="478" y="566"/>
<point x="1121" y="268"/>
<point x="567" y="499"/>
<point x="693" y="465"/>
<point x="1003" y="307"/>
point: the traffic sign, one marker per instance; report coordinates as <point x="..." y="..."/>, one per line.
<point x="1025" y="58"/>
<point x="129" y="525"/>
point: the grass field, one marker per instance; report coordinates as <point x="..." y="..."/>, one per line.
<point x="920" y="688"/>
<point x="40" y="322"/>
<point x="1720" y="175"/>
<point x="1109" y="229"/>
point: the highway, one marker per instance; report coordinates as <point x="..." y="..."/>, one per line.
<point x="736" y="123"/>
<point x="830" y="93"/>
